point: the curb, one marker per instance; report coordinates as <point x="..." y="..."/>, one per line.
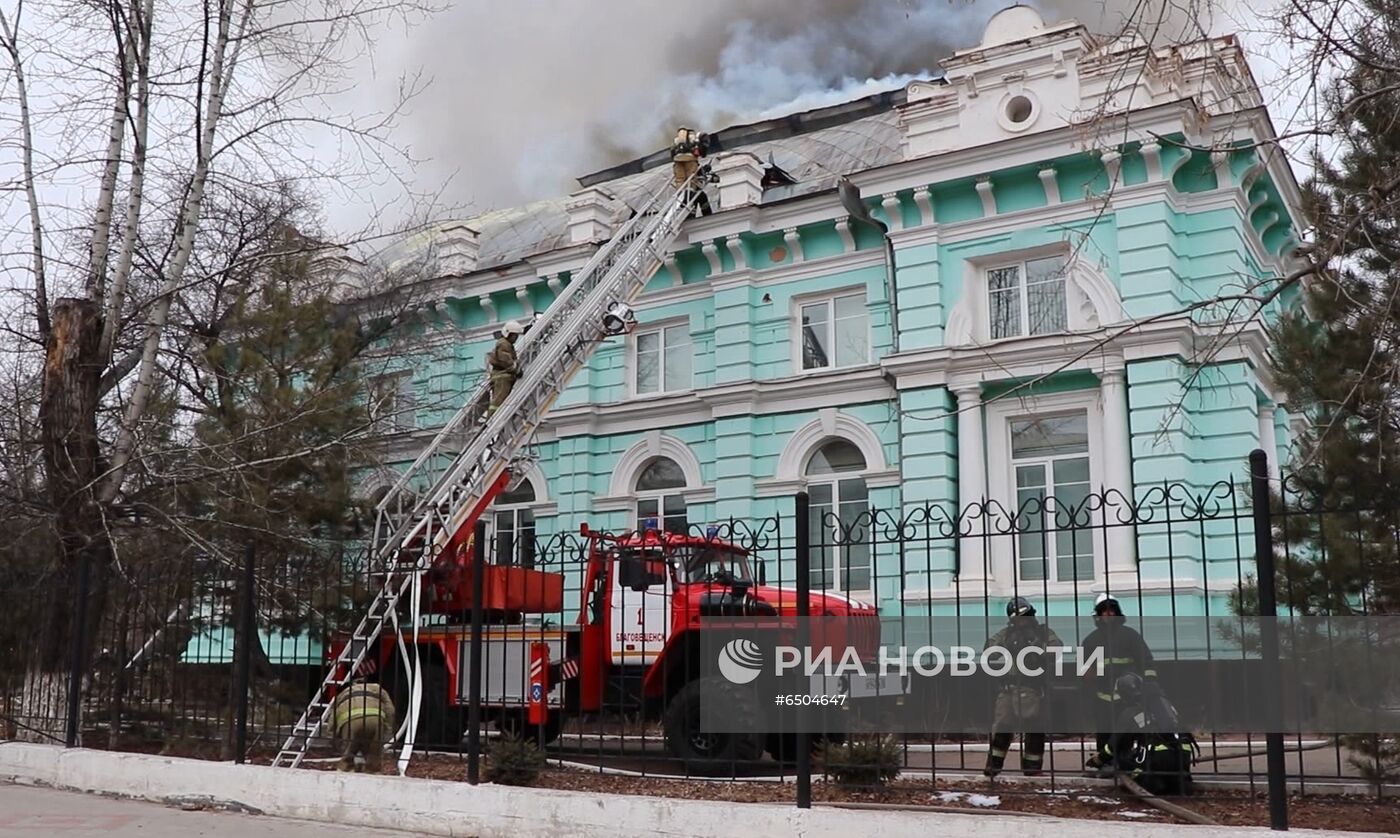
<point x="433" y="807"/>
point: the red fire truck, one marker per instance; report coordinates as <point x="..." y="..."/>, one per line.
<point x="646" y="598"/>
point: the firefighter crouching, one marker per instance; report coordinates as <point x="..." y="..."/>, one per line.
<point x="362" y="717"/>
<point x="1124" y="653"/>
<point x="502" y="364"/>
<point x="1019" y="704"/>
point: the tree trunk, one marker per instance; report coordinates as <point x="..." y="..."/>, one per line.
<point x="68" y="425"/>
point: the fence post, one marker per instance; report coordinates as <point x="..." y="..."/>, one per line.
<point x="804" y="612"/>
<point x="75" y="665"/>
<point x="242" y="672"/>
<point x="474" y="665"/>
<point x="1268" y="635"/>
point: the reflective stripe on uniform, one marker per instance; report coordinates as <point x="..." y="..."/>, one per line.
<point x="998" y="753"/>
<point x="1105" y="696"/>
<point x="1032" y="757"/>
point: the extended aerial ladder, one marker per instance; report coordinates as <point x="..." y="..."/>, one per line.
<point x="430" y="512"/>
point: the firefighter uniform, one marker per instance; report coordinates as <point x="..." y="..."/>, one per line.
<point x="503" y="366"/>
<point x="1019" y="704"/>
<point x="687" y="149"/>
<point x="362" y="717"/>
<point x="1124" y="652"/>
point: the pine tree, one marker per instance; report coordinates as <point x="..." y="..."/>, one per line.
<point x="1338" y="360"/>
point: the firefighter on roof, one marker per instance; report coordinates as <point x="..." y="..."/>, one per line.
<point x="362" y="717"/>
<point x="1124" y="652"/>
<point x="1019" y="701"/>
<point x="502" y="364"/>
<point x="687" y="149"/>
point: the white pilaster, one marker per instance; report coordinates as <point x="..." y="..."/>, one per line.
<point x="923" y="199"/>
<point x="712" y="256"/>
<point x="673" y="268"/>
<point x="736" y="249"/>
<point x="489" y="306"/>
<point x="972" y="482"/>
<point x="1268" y="439"/>
<point x="522" y="296"/>
<point x="843" y="229"/>
<point x="1050" y="185"/>
<point x="1117" y="470"/>
<point x="890" y="202"/>
<point x="555" y="283"/>
<point x="1220" y="160"/>
<point x="1113" y="166"/>
<point x="1152" y="156"/>
<point x="989" y="200"/>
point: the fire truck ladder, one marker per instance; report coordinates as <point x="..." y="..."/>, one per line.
<point x="432" y="508"/>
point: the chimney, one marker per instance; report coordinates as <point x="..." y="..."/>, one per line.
<point x="457" y="248"/>
<point x="590" y="216"/>
<point x="740" y="180"/>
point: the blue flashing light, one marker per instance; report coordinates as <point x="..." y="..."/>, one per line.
<point x="712" y="532"/>
<point x="649" y="524"/>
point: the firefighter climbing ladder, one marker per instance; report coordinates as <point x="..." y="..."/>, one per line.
<point x="413" y="527"/>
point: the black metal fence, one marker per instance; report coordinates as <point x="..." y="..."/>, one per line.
<point x="217" y="658"/>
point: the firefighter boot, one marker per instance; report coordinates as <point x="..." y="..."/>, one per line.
<point x="1032" y="754"/>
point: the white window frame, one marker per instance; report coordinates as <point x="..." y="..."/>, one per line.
<point x="839" y="551"/>
<point x="1001" y="481"/>
<point x="829" y="298"/>
<point x="393" y="412"/>
<point x="658" y="495"/>
<point x="1023" y="288"/>
<point x="514" y="510"/>
<point x="633" y="365"/>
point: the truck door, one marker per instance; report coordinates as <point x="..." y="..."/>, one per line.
<point x="641" y="606"/>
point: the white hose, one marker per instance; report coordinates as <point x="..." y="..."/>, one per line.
<point x="415" y="691"/>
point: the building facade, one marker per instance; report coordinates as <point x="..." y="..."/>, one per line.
<point x="1069" y="233"/>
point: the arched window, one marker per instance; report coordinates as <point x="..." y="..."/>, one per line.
<point x="840" y="545"/>
<point x="513" y="525"/>
<point x="659" y="495"/>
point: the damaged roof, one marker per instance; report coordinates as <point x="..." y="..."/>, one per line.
<point x="814" y="148"/>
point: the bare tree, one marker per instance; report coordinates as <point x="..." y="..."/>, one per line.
<point x="197" y="97"/>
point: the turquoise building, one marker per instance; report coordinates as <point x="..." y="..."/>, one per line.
<point x="1030" y="316"/>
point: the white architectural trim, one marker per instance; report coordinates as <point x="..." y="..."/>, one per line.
<point x="829" y="424"/>
<point x="655" y="444"/>
<point x="1001" y="486"/>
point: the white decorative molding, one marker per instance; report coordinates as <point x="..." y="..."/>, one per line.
<point x="1152" y="157"/>
<point x="829" y="424"/>
<point x="1220" y="161"/>
<point x="736" y="250"/>
<point x="923" y="199"/>
<point x="794" y="243"/>
<point x="740" y="180"/>
<point x="590" y="216"/>
<point x="653" y="445"/>
<point x="1101" y="304"/>
<point x="889" y="202"/>
<point x="674" y="269"/>
<point x="522" y="296"/>
<point x="712" y="256"/>
<point x="1091" y="299"/>
<point x="1050" y="184"/>
<point x="489" y="306"/>
<point x="1112" y="164"/>
<point x="1181" y="160"/>
<point x="984" y="191"/>
<point x="534" y="475"/>
<point x="457" y="246"/>
<point x="555" y="283"/>
<point x="843" y="229"/>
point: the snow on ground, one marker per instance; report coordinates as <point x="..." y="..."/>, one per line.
<point x="983" y="801"/>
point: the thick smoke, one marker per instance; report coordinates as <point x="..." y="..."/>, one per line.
<point x="528" y="94"/>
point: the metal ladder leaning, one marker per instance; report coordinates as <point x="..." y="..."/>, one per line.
<point x="414" y="525"/>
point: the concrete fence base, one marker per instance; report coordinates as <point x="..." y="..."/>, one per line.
<point x="432" y="807"/>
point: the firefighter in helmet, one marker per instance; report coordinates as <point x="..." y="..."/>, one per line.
<point x="1123" y="652"/>
<point x="687" y="150"/>
<point x="362" y="717"/>
<point x="502" y="364"/>
<point x="1019" y="701"/>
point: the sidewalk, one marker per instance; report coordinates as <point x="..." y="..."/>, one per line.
<point x="455" y="809"/>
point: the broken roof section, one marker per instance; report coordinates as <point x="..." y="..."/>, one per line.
<point x="813" y="148"/>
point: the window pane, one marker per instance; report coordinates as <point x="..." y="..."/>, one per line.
<point x="853" y="339"/>
<point x="647" y="508"/>
<point x="1004" y="301"/>
<point x="525" y="538"/>
<point x="522" y="492"/>
<point x="673" y="510"/>
<point x="836" y="456"/>
<point x="678" y="355"/>
<point x="1050" y="436"/>
<point x="661" y="473"/>
<point x="819" y="494"/>
<point x="649" y="362"/>
<point x="855" y="575"/>
<point x="406" y="409"/>
<point x="1045" y="295"/>
<point x="851" y="305"/>
<point x="1072" y="471"/>
<point x="816" y="338"/>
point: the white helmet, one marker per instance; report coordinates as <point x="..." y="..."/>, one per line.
<point x="512" y="327"/>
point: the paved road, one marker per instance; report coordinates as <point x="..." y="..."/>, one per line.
<point x="27" y="812"/>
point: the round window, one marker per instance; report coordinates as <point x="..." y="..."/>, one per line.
<point x="1018" y="109"/>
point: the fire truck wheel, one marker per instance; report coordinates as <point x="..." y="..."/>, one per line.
<point x="704" y="752"/>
